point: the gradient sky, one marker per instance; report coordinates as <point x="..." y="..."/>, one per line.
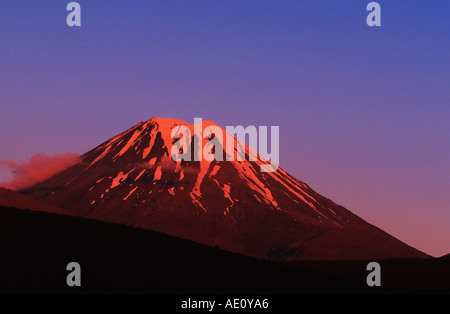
<point x="363" y="112"/>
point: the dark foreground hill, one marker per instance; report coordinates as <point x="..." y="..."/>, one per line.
<point x="36" y="247"/>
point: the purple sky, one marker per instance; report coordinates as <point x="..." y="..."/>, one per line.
<point x="363" y="112"/>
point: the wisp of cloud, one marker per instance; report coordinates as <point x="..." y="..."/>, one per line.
<point x="39" y="168"/>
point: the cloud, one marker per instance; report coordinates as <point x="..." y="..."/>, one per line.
<point x="39" y="168"/>
<point x="167" y="163"/>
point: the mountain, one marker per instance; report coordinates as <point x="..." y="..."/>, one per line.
<point x="130" y="179"/>
<point x="10" y="198"/>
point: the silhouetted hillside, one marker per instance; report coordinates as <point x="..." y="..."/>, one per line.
<point x="446" y="257"/>
<point x="36" y="247"/>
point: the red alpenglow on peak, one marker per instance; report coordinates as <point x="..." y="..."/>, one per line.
<point x="131" y="179"/>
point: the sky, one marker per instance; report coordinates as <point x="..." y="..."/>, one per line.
<point x="363" y="111"/>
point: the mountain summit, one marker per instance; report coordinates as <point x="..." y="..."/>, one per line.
<point x="131" y="179"/>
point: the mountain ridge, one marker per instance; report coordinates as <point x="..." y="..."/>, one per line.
<point x="10" y="198"/>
